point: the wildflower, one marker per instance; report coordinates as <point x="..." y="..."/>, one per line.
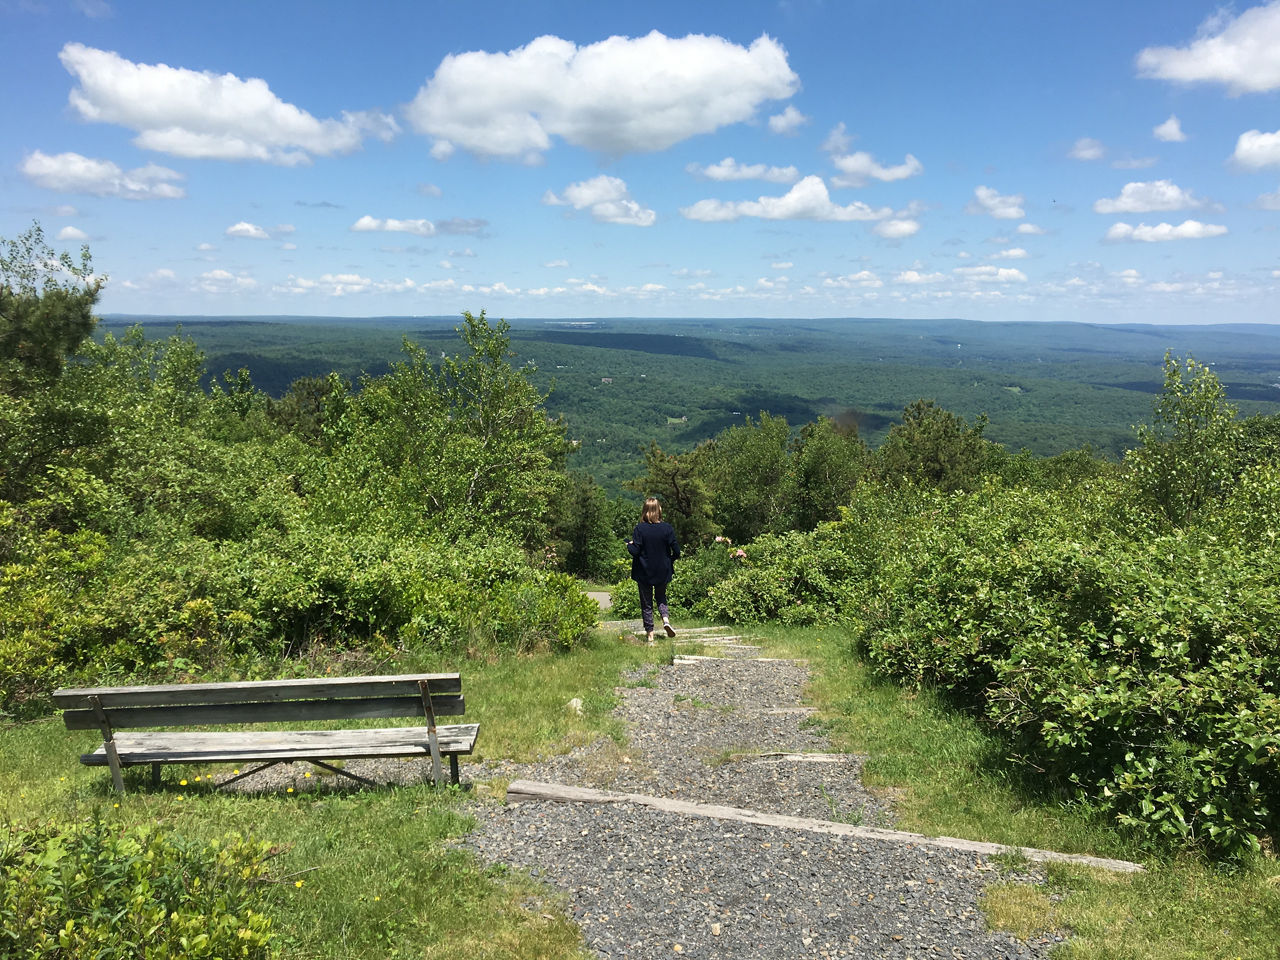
<point x="290" y="790"/>
<point x="182" y="783"/>
<point x="307" y="775"/>
<point x="235" y="773"/>
<point x="298" y="884"/>
<point x="116" y="805"/>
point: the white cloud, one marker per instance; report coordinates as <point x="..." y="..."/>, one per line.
<point x="988" y="201"/>
<point x="288" y="246"/>
<point x="807" y="200"/>
<point x="1243" y="53"/>
<point x="429" y="190"/>
<point x="248" y="230"/>
<point x="465" y="252"/>
<point x="863" y="278"/>
<point x="1256" y="149"/>
<point x="896" y="229"/>
<point x="1187" y="230"/>
<point x="856" y="168"/>
<point x="620" y="95"/>
<point x="1130" y="276"/>
<point x="74" y="173"/>
<point x="445" y="265"/>
<point x="421" y="228"/>
<point x="284" y="228"/>
<point x="1013" y="253"/>
<point x="1086" y="148"/>
<point x="203" y="114"/>
<point x="837" y="140"/>
<point x="1145" y="197"/>
<point x="1031" y="229"/>
<point x="1269" y="201"/>
<point x="556" y="264"/>
<point x="65" y="210"/>
<point x="782" y="265"/>
<point x="1170" y="131"/>
<point x="916" y="277"/>
<point x="222" y="281"/>
<point x="730" y="169"/>
<point x="205" y="247"/>
<point x="72" y="233"/>
<point x="608" y="200"/>
<point x="788" y="121"/>
<point x="990" y="274"/>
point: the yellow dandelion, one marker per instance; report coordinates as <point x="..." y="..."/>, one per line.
<point x="197" y="779"/>
<point x="298" y="884"/>
<point x="377" y="898"/>
<point x="290" y="790"/>
<point x="307" y="775"/>
<point x="182" y="783"/>
<point x="117" y="806"/>
<point x="181" y="797"/>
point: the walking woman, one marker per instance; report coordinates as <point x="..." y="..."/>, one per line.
<point x="653" y="548"/>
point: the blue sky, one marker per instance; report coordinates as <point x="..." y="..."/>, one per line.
<point x="1099" y="162"/>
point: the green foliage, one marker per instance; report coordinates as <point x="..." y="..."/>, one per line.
<point x="745" y="468"/>
<point x="87" y="889"/>
<point x="46" y="310"/>
<point x="934" y="446"/>
<point x="677" y="482"/>
<point x="1189" y="451"/>
<point x="827" y="461"/>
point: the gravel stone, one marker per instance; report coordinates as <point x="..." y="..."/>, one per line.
<point x="646" y="883"/>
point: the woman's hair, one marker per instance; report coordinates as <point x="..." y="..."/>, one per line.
<point x="652" y="512"/>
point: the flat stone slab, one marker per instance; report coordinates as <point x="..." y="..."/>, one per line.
<point x="521" y="791"/>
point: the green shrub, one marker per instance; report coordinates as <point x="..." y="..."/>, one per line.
<point x="89" y="889"/>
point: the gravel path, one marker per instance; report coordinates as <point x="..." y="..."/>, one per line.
<point x="644" y="883"/>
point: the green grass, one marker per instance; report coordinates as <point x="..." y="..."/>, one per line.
<point x="382" y="876"/>
<point x="947" y="777"/>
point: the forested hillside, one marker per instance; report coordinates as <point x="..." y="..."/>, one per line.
<point x="1115" y="622"/>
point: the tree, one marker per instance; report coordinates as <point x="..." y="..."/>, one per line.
<point x="745" y="467"/>
<point x="677" y="483"/>
<point x="827" y="461"/>
<point x="934" y="446"/>
<point x="46" y="310"/>
<point x="1190" y="451"/>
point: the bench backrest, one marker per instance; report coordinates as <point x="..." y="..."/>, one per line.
<point x="262" y="701"/>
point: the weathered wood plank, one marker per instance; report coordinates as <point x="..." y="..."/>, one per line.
<point x="301" y="711"/>
<point x="795" y="757"/>
<point x="259" y="690"/>
<point x="526" y="790"/>
<point x="213" y="747"/>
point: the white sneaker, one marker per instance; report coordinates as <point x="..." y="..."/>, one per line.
<point x="666" y="625"/>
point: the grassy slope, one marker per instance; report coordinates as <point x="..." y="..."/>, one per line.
<point x="381" y="878"/>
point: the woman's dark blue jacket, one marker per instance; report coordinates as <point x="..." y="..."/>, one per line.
<point x="653" y="546"/>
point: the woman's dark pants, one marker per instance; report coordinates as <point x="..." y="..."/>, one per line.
<point x="648" y="591"/>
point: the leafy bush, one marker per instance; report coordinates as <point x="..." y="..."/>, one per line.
<point x="89" y="890"/>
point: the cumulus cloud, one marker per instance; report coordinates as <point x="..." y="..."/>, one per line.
<point x="857" y="168"/>
<point x="988" y="201"/>
<point x="1086" y="148"/>
<point x="1013" y="253"/>
<point x="222" y="281"/>
<point x="607" y="199"/>
<point x="1170" y="131"/>
<point x="556" y="264"/>
<point x="1031" y="229"/>
<point x="730" y="169"/>
<point x="788" y="121"/>
<point x="621" y="95"/>
<point x="807" y="200"/>
<point x="990" y="274"/>
<point x="247" y="230"/>
<point x="1269" y="201"/>
<point x="1243" y="53"/>
<point x="368" y="224"/>
<point x="1145" y="197"/>
<point x="1187" y="230"/>
<point x="190" y="113"/>
<point x="72" y="233"/>
<point x="838" y="140"/>
<point x="1255" y="149"/>
<point x="916" y="277"/>
<point x="74" y="173"/>
<point x="896" y="229"/>
<point x="863" y="278"/>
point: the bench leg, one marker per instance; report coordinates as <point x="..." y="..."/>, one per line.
<point x="453" y="768"/>
<point x="155" y="776"/>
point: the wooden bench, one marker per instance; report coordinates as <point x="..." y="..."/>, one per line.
<point x="427" y="695"/>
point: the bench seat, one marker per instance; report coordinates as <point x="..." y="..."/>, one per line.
<point x="167" y="746"/>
